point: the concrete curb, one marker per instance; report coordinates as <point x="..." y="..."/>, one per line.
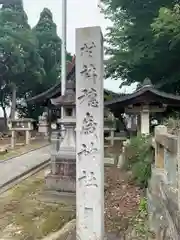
<point x="19" y="155"/>
<point x="31" y="171"/>
<point x="63" y="233"/>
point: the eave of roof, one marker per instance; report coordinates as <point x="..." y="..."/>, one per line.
<point x="141" y="91"/>
<point x="50" y="93"/>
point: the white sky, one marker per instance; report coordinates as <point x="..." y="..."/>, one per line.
<point x="80" y="13"/>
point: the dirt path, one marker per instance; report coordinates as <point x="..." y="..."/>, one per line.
<point x="125" y="207"/>
<point x="121" y="200"/>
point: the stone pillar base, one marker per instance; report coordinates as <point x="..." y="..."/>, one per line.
<point x="108" y="236"/>
<point x="58" y="183"/>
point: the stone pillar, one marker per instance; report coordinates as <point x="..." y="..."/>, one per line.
<point x="54" y="149"/>
<point x="63" y="174"/>
<point x="159" y="150"/>
<point x="28" y="137"/>
<point x="145" y="120"/>
<point x="43" y="125"/>
<point x="170" y="165"/>
<point x="112" y="137"/>
<point x="13" y="139"/>
<point x="89" y="134"/>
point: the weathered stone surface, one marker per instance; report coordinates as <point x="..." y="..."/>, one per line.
<point x="164" y="216"/>
<point x="56" y="182"/>
<point x="167" y="140"/>
<point x="89" y="133"/>
<point x="109" y="236"/>
<point x="63" y="154"/>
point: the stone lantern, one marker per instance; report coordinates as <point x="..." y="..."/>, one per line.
<point x="63" y="158"/>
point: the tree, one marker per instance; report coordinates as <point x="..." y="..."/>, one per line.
<point x="24" y="65"/>
<point x="4" y="101"/>
<point x="49" y="45"/>
<point x="134" y="48"/>
<point x="49" y="49"/>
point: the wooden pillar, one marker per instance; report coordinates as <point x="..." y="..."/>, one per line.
<point x="145" y="120"/>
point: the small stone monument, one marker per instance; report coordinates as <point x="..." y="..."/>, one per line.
<point x="43" y="124"/>
<point x="17" y="125"/>
<point x="63" y="157"/>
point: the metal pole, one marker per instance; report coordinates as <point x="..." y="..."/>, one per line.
<point x="63" y="51"/>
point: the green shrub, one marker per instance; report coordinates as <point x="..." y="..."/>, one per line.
<point x="141" y="172"/>
<point x="143" y="206"/>
<point x="140" y="221"/>
<point x="138" y="156"/>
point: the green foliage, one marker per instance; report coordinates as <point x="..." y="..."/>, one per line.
<point x="142" y="173"/>
<point x="141" y="221"/>
<point x="167" y="24"/>
<point x="137" y="148"/>
<point x="144" y="37"/>
<point x="49" y="49"/>
<point x="139" y="159"/>
<point x="30" y="58"/>
<point x="18" y="54"/>
<point x="30" y="111"/>
<point x="143" y="206"/>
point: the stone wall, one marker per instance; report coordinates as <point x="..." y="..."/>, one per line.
<point x="163" y="190"/>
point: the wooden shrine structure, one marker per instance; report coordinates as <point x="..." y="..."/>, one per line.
<point x="143" y="102"/>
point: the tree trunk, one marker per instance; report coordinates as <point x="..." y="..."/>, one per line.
<point x="5" y="117"/>
<point x="13" y="105"/>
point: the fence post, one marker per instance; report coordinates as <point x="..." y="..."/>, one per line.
<point x="160" y="129"/>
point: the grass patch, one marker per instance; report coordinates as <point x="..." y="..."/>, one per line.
<point x="139" y="223"/>
<point x="24" y="216"/>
